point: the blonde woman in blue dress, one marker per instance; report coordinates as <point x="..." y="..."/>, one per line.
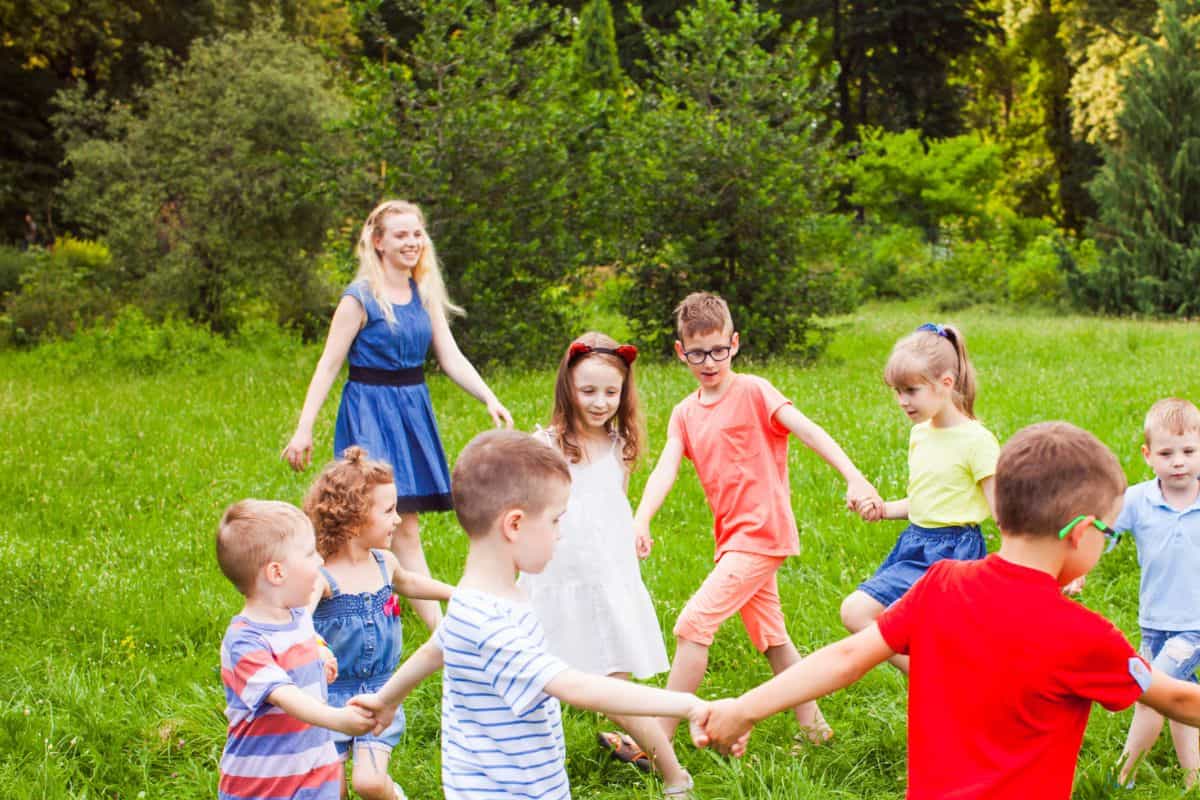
<point x="590" y="598"/>
<point x="388" y="317"/>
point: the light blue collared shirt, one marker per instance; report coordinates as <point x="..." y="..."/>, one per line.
<point x="1168" y="547"/>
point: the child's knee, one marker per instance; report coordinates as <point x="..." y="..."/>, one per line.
<point x="373" y="785"/>
<point x="859" y="610"/>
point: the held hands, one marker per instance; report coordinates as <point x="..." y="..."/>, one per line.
<point x="863" y="499"/>
<point x="298" y="451"/>
<point x="641" y="539"/>
<point x="372" y="704"/>
<point x="726" y="729"/>
<point x="354" y="721"/>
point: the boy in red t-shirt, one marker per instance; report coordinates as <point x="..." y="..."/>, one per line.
<point x="735" y="431"/>
<point x="1004" y="667"/>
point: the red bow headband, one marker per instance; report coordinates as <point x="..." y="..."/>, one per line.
<point x="626" y="352"/>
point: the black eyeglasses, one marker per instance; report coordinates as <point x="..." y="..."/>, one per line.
<point x="717" y="354"/>
<point x="1111" y="536"/>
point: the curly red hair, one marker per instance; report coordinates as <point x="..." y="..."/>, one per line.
<point x="340" y="498"/>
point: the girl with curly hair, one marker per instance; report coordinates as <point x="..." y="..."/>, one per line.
<point x="352" y="506"/>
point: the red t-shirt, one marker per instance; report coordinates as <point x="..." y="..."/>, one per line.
<point x="1004" y="672"/>
<point x="740" y="455"/>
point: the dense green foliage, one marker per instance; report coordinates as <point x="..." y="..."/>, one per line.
<point x="120" y="456"/>
<point x="1149" y="188"/>
<point x="717" y="175"/>
<point x="195" y="186"/>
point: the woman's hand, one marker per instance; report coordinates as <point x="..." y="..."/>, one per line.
<point x="500" y="416"/>
<point x="298" y="452"/>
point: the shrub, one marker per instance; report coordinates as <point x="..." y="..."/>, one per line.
<point x="131" y="342"/>
<point x="62" y="289"/>
<point x="13" y="264"/>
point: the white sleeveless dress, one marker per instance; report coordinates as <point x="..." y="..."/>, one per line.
<point x="590" y="598"/>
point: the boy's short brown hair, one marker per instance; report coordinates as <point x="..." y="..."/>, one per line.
<point x="253" y="533"/>
<point x="1171" y="415"/>
<point x="700" y="313"/>
<point x="1050" y="472"/>
<point x="502" y="470"/>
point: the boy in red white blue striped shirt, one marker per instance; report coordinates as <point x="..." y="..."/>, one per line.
<point x="279" y="742"/>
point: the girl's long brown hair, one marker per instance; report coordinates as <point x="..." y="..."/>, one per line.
<point x="626" y="424"/>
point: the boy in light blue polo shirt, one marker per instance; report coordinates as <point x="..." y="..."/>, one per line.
<point x="1163" y="514"/>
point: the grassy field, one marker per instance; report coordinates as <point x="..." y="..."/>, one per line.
<point x="113" y="607"/>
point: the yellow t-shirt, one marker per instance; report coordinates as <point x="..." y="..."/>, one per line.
<point x="945" y="466"/>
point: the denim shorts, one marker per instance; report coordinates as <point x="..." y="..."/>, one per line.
<point x="917" y="550"/>
<point x="1176" y="653"/>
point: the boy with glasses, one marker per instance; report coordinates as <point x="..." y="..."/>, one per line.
<point x="735" y="431"/>
<point x="1004" y="667"/>
<point x="1163" y="514"/>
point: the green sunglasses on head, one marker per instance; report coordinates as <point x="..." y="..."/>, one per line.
<point x="1109" y="534"/>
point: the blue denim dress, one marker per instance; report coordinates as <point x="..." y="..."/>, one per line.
<point x="367" y="642"/>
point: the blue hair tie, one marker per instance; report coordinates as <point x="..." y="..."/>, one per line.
<point x="933" y="327"/>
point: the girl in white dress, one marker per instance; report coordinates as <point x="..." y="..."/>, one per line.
<point x="590" y="598"/>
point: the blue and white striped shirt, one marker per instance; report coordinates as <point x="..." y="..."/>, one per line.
<point x="502" y="736"/>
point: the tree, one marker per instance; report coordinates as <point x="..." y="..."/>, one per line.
<point x="714" y="178"/>
<point x="194" y="186"/>
<point x="596" y="64"/>
<point x="1148" y="190"/>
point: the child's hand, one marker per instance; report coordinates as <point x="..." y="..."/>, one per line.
<point x="1075" y="586"/>
<point x="725" y="729"/>
<point x="501" y="418"/>
<point x="374" y="705"/>
<point x="328" y="663"/>
<point x="354" y="721"/>
<point x="862" y="497"/>
<point x="641" y="540"/>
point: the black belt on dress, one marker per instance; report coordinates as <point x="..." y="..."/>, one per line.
<point x="387" y="377"/>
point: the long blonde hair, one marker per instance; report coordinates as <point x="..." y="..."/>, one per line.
<point x="929" y="352"/>
<point x="427" y="273"/>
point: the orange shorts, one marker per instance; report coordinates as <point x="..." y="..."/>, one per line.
<point x="739" y="583"/>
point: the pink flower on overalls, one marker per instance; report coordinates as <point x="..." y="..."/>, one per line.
<point x="392" y="607"/>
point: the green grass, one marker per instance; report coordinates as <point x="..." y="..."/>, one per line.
<point x="113" y="607"/>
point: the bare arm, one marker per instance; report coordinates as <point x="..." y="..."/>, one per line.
<point x="382" y="704"/>
<point x="612" y="696"/>
<point x="461" y="371"/>
<point x="655" y="493"/>
<point x="348" y="319"/>
<point x="349" y="720"/>
<point x="414" y="584"/>
<point x="831" y="668"/>
<point x="1173" y="698"/>
<point x="988" y="486"/>
<point x="896" y="509"/>
<point x="815" y="438"/>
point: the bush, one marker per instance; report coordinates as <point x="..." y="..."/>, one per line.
<point x="61" y="290"/>
<point x="13" y="264"/>
<point x="1038" y="277"/>
<point x="131" y="342"/>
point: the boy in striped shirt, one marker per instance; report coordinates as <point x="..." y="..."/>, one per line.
<point x="279" y="743"/>
<point x="502" y="732"/>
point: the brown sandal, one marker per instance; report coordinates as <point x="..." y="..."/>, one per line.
<point x="624" y="749"/>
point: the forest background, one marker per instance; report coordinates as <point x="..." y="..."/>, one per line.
<point x="210" y="163"/>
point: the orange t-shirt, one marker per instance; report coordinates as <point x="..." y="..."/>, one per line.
<point x="740" y="455"/>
